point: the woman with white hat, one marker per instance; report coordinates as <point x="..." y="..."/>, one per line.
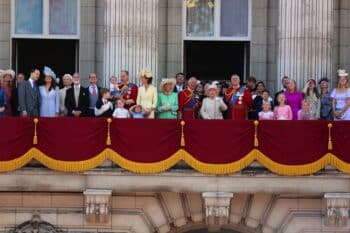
<point x="147" y="95"/>
<point x="212" y="106"/>
<point x="167" y="105"/>
<point x="67" y="83"/>
<point x="49" y="95"/>
<point x="341" y="97"/>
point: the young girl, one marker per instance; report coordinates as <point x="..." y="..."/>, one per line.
<point x="283" y="111"/>
<point x="266" y="113"/>
<point x="305" y="113"/>
<point x="120" y="110"/>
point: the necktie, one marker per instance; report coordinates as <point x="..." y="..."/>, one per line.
<point x="94" y="93"/>
<point x="76" y="95"/>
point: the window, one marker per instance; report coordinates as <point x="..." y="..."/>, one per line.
<point x="45" y="19"/>
<point x="217" y="20"/>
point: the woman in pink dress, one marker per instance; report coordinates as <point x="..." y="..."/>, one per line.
<point x="283" y="111"/>
<point x="294" y="98"/>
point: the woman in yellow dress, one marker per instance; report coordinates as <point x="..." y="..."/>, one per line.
<point x="147" y="94"/>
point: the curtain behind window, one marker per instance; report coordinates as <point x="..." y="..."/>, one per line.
<point x="200" y="18"/>
<point x="63" y="17"/>
<point x="234" y="18"/>
<point x="29" y="16"/>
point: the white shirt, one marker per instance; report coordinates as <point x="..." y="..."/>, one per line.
<point x="121" y="113"/>
<point x="31" y="82"/>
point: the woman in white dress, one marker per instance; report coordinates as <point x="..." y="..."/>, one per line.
<point x="212" y="106"/>
<point x="49" y="95"/>
<point x="147" y="95"/>
<point x="67" y="83"/>
<point x="341" y="97"/>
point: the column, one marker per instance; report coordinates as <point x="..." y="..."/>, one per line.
<point x="337" y="209"/>
<point x="217" y="207"/>
<point x="131" y="37"/>
<point x="97" y="205"/>
<point x="305" y="39"/>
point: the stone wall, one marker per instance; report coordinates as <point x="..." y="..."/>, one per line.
<point x="5" y="33"/>
<point x="169" y="212"/>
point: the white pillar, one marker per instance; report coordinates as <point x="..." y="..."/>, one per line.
<point x="217" y="207"/>
<point x="97" y="205"/>
<point x="305" y="39"/>
<point x="337" y="209"/>
<point x="131" y="37"/>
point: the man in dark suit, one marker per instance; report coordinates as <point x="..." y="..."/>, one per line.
<point x="14" y="96"/>
<point x="77" y="99"/>
<point x="29" y="96"/>
<point x="284" y="82"/>
<point x="180" y="83"/>
<point x="94" y="92"/>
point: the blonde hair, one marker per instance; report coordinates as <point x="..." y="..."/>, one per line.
<point x="347" y="81"/>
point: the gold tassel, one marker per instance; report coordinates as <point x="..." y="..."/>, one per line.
<point x="183" y="123"/>
<point x="35" y="138"/>
<point x="256" y="140"/>
<point x="109" y="141"/>
<point x="330" y="143"/>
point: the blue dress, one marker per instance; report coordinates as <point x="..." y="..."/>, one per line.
<point x="2" y="100"/>
<point x="50" y="102"/>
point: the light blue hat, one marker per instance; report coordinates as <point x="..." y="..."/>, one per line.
<point x="49" y="72"/>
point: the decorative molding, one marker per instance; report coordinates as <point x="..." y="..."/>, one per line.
<point x="217" y="207"/>
<point x="36" y="225"/>
<point x="97" y="205"/>
<point x="337" y="209"/>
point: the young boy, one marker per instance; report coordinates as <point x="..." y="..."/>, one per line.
<point x="136" y="112"/>
<point x="104" y="107"/>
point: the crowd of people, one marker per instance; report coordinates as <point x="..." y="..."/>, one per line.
<point x="175" y="98"/>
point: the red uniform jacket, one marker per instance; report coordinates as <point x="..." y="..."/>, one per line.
<point x="243" y="101"/>
<point x="188" y="105"/>
<point x="129" y="93"/>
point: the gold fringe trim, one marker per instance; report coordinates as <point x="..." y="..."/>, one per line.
<point x="109" y="141"/>
<point x="182" y="143"/>
<point x="35" y="137"/>
<point x="256" y="140"/>
<point x="330" y="143"/>
<point x="181" y="155"/>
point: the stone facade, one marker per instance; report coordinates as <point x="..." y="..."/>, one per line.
<point x="269" y="45"/>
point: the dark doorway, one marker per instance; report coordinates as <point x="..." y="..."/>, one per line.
<point x="60" y="55"/>
<point x="216" y="60"/>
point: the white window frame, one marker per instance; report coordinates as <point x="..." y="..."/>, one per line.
<point x="217" y="25"/>
<point x="46" y="24"/>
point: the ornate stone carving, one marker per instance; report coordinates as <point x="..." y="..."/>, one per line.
<point x="337" y="209"/>
<point x="97" y="205"/>
<point x="36" y="225"/>
<point x="217" y="207"/>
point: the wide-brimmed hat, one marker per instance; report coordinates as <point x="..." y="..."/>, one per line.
<point x="49" y="72"/>
<point x="165" y="81"/>
<point x="146" y="73"/>
<point x="10" y="72"/>
<point x="212" y="87"/>
<point x="342" y="73"/>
